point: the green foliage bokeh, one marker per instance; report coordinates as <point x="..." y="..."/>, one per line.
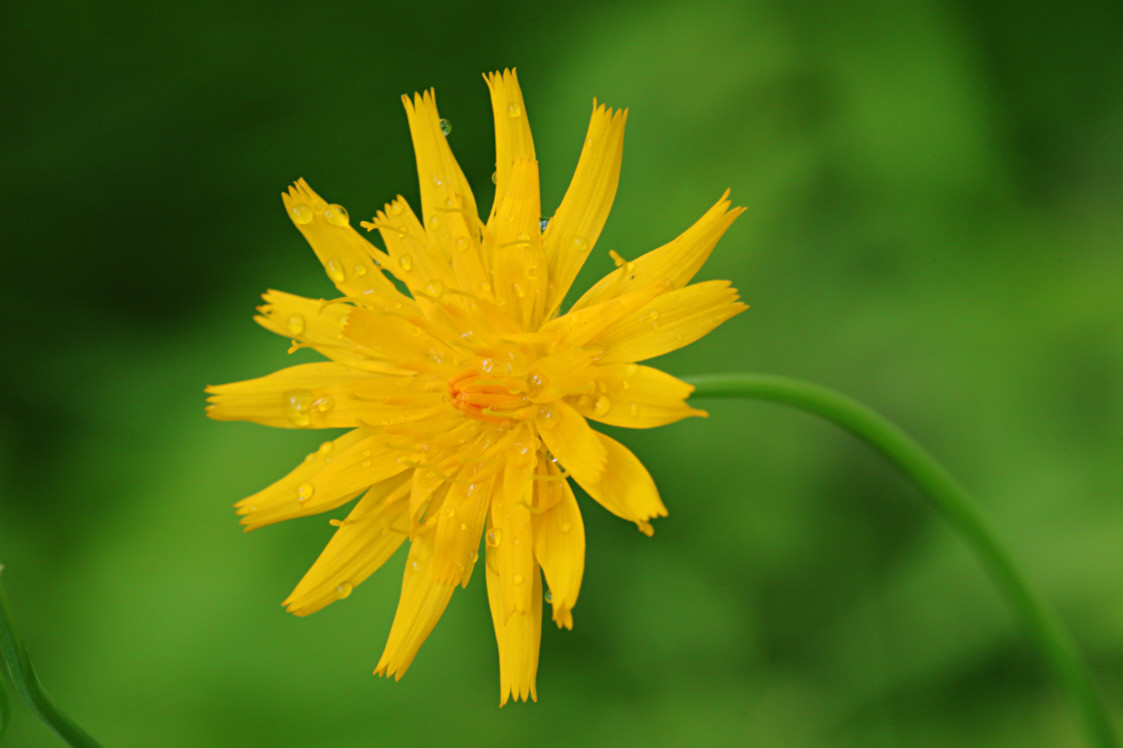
<point x="933" y="226"/>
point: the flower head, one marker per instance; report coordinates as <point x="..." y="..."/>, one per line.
<point x="469" y="397"/>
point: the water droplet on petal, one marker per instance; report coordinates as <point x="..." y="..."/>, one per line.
<point x="335" y="270"/>
<point x="344" y="590"/>
<point x="514" y="110"/>
<point x="566" y="527"/>
<point x="406" y="262"/>
<point x="396" y="207"/>
<point x="297" y="405"/>
<point x="336" y="215"/>
<point x="549" y="596"/>
<point x="495" y="177"/>
<point x="633" y="409"/>
<point x="435" y="288"/>
<point x="326" y="448"/>
<point x="462" y="244"/>
<point x="296" y="324"/>
<point x="547" y="418"/>
<point x="360" y="270"/>
<point x="450" y="511"/>
<point x="535" y="384"/>
<point x="324" y="403"/>
<point x="463" y="525"/>
<point x="301" y="214"/>
<point x="602" y="406"/>
<point x="580" y="243"/>
<point x="543" y="223"/>
<point x="494" y="537"/>
<point x="446" y="127"/>
<point x="518" y="579"/>
<point x="304" y="491"/>
<point x="365" y="463"/>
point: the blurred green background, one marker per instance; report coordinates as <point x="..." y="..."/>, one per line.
<point x="934" y="226"/>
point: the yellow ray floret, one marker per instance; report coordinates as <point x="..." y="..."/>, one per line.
<point x="471" y="400"/>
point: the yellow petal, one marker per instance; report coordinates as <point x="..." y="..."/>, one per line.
<point x="402" y="340"/>
<point x="364" y="541"/>
<point x="518" y="260"/>
<point x="509" y="537"/>
<point x="412" y="255"/>
<point x="512" y="128"/>
<point x="328" y="478"/>
<point x="323" y="395"/>
<point x="572" y="440"/>
<point x="637" y="397"/>
<point x="577" y="328"/>
<point x="627" y="489"/>
<point x="348" y="258"/>
<point x="577" y="224"/>
<point x="676" y="262"/>
<point x="460" y="522"/>
<point x="669" y="322"/>
<point x="518" y="635"/>
<point x="559" y="544"/>
<point x="419" y="608"/>
<point x="438" y="173"/>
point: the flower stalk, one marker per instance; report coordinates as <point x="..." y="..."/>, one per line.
<point x="26" y="682"/>
<point x="949" y="498"/>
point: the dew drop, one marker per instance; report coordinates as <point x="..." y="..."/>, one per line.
<point x="535" y="384"/>
<point x="365" y="463"/>
<point x="450" y="511"/>
<point x="396" y="208"/>
<point x="543" y="223"/>
<point x="549" y="596"/>
<point x="584" y="402"/>
<point x="631" y="370"/>
<point x="435" y="288"/>
<point x="520" y="291"/>
<point x="495" y="177"/>
<point x="602" y="406"/>
<point x="296" y="324"/>
<point x="463" y="526"/>
<point x="434" y="221"/>
<point x="472" y="557"/>
<point x="653" y="314"/>
<point x="297" y="405"/>
<point x="301" y="214"/>
<point x="602" y="386"/>
<point x="304" y="491"/>
<point x="532" y="271"/>
<point x="633" y="409"/>
<point x="344" y="590"/>
<point x="336" y="215"/>
<point x="461" y="244"/>
<point x="406" y="262"/>
<point x="415" y="565"/>
<point x="446" y="127"/>
<point x="360" y="270"/>
<point x="518" y="579"/>
<point x="494" y="537"/>
<point x="326" y="448"/>
<point x="324" y="403"/>
<point x="335" y="270"/>
<point x="566" y="527"/>
<point x="514" y="110"/>
<point x="487" y="365"/>
<point x="547" y="418"/>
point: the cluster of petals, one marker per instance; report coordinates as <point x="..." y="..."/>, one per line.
<point x="469" y="397"/>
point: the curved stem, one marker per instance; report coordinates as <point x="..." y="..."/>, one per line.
<point x="951" y="500"/>
<point x="27" y="683"/>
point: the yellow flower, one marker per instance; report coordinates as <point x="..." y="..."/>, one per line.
<point x="469" y="399"/>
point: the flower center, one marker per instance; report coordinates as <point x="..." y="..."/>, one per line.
<point x="490" y="398"/>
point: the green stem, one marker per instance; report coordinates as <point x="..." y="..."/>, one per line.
<point x="27" y="683"/>
<point x="950" y="499"/>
